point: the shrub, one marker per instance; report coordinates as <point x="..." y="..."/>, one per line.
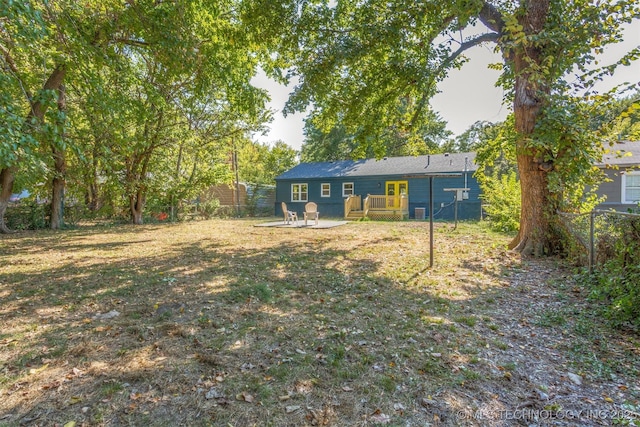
<point x="502" y="197"/>
<point x="617" y="281"/>
<point x="209" y="208"/>
<point x="27" y="216"/>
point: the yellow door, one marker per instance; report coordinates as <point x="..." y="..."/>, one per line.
<point x="394" y="189"/>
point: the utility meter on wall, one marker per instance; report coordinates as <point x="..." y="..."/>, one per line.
<point x="461" y="193"/>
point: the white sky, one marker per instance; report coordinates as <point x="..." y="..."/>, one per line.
<point x="466" y="96"/>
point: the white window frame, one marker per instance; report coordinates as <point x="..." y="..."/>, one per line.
<point x="624" y="187"/>
<point x="327" y="186"/>
<point x="299" y="193"/>
<point x="344" y="185"/>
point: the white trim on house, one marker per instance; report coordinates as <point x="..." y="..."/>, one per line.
<point x="350" y="192"/>
<point x="300" y="192"/>
<point x="635" y="187"/>
<point x="325" y="186"/>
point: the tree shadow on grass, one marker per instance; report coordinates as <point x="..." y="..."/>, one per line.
<point x="241" y="326"/>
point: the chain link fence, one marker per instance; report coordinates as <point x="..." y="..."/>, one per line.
<point x="598" y="235"/>
<point x="30" y="215"/>
<point x="609" y="241"/>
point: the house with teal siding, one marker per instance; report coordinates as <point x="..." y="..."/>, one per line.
<point x="387" y="188"/>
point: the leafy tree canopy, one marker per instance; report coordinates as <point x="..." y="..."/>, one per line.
<point x="155" y="92"/>
<point x="338" y="143"/>
<point x="357" y="60"/>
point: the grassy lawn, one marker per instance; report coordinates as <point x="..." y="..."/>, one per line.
<point x="223" y="323"/>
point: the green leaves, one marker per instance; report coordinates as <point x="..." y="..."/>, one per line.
<point x="360" y="63"/>
<point x="155" y="89"/>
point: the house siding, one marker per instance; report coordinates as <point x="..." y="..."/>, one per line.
<point x="612" y="189"/>
<point x="333" y="206"/>
<point x="369" y="177"/>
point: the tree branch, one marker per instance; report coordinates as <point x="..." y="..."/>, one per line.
<point x="53" y="83"/>
<point x="487" y="37"/>
<point x="130" y="42"/>
<point x="14" y="70"/>
<point x="490" y="16"/>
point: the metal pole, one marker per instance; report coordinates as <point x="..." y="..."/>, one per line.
<point x="235" y="168"/>
<point x="591" y="241"/>
<point x="455" y="213"/>
<point x="430" y="222"/>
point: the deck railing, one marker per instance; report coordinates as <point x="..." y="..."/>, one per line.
<point x="377" y="203"/>
<point x="386" y="203"/>
<point x="352" y="203"/>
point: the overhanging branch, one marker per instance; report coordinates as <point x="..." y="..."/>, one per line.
<point x="487" y="37"/>
<point x="483" y="38"/>
<point x="8" y="59"/>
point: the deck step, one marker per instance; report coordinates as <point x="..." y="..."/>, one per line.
<point x="355" y="215"/>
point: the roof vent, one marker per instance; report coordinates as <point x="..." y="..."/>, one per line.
<point x="446" y="154"/>
<point x="384" y="158"/>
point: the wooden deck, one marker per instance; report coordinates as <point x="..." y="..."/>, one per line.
<point x="377" y="207"/>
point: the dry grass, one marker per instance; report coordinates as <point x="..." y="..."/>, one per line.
<point x="223" y="323"/>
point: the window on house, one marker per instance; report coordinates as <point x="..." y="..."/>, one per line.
<point x="347" y="189"/>
<point x="631" y="187"/>
<point x="299" y="192"/>
<point x="325" y="190"/>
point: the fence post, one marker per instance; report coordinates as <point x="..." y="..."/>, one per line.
<point x="430" y="222"/>
<point x="591" y="241"/>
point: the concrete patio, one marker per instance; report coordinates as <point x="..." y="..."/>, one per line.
<point x="300" y="224"/>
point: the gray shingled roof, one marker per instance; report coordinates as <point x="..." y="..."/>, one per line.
<point x="410" y="165"/>
<point x="623" y="153"/>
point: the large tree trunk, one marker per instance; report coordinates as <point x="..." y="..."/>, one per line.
<point x="536" y="236"/>
<point x="58" y="185"/>
<point x="37" y="110"/>
<point x="136" y="203"/>
<point x="137" y="169"/>
<point x="534" y="218"/>
<point x="60" y="170"/>
<point x="6" y="187"/>
<point x="92" y="197"/>
<point x="92" y="192"/>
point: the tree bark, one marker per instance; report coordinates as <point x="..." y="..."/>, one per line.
<point x="92" y="197"/>
<point x="60" y="170"/>
<point x="536" y="235"/>
<point x="37" y="111"/>
<point x="137" y="167"/>
<point x="136" y="204"/>
<point x="136" y="174"/>
<point x="92" y="192"/>
<point x="58" y="186"/>
<point x="6" y="187"/>
<point x="534" y="224"/>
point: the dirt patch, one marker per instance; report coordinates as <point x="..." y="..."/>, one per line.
<point x="224" y="323"/>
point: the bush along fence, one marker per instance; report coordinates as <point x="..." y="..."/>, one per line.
<point x="30" y="215"/>
<point x="611" y="241"/>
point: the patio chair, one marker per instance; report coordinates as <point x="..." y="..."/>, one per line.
<point x="289" y="216"/>
<point x="311" y="212"/>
